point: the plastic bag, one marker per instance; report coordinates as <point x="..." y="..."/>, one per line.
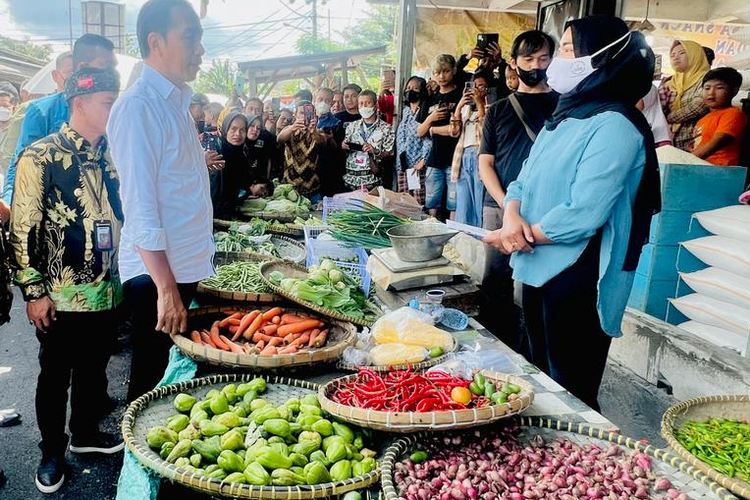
<point x="355" y="357"/>
<point x="411" y="327"/>
<point x="462" y="365"/>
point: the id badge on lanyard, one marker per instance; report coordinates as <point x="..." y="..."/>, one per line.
<point x="361" y="159"/>
<point x="103" y="239"/>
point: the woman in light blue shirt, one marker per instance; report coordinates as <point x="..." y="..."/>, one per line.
<point x="578" y="215"/>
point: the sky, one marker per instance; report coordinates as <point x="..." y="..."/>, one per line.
<point x="240" y="30"/>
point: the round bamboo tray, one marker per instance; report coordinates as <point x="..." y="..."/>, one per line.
<point x="427" y="421"/>
<point x="341" y="336"/>
<point x="417" y="367"/>
<point x="289" y="249"/>
<point x="270" y="216"/>
<point x="222" y="258"/>
<point x="290" y="270"/>
<point x="154" y="407"/>
<point x="681" y="474"/>
<point x="289" y="229"/>
<point x="702" y="409"/>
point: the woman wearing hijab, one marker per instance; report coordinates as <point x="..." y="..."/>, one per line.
<point x="227" y="183"/>
<point x="580" y="211"/>
<point x="682" y="95"/>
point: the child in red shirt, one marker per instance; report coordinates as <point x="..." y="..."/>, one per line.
<point x="719" y="133"/>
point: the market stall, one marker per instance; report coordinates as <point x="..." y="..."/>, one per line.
<point x="301" y="382"/>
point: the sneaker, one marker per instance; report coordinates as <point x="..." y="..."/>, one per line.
<point x="50" y="475"/>
<point x="98" y="443"/>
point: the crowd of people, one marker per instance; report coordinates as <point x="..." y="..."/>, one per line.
<point x="109" y="198"/>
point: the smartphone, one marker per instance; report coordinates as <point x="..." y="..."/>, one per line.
<point x="484" y="40"/>
<point x="276" y="104"/>
<point x="309" y="111"/>
<point x="468" y="87"/>
<point x="354" y="146"/>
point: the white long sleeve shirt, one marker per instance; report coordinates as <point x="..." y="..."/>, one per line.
<point x="164" y="182"/>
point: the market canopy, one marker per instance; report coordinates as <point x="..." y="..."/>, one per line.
<point x="513" y="6"/>
<point x="17" y="68"/>
<point x="269" y="72"/>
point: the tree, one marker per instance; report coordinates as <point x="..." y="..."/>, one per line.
<point x="220" y="79"/>
<point x="379" y="28"/>
<point x="27" y="48"/>
<point x="306" y="45"/>
<point x="131" y="46"/>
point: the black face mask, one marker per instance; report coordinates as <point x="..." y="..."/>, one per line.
<point x="412" y="96"/>
<point x="533" y="77"/>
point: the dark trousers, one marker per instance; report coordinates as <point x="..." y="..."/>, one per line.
<point x="73" y="354"/>
<point x="150" y="348"/>
<point x="565" y="334"/>
<point x="497" y="308"/>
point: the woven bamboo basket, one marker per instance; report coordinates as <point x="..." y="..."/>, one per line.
<point x="289" y="249"/>
<point x="702" y="409"/>
<point x="222" y="258"/>
<point x="289" y="229"/>
<point x="290" y="270"/>
<point x="417" y="367"/>
<point x="427" y="421"/>
<point x="681" y="474"/>
<point x="269" y="216"/>
<point x="154" y="407"/>
<point x="341" y="336"/>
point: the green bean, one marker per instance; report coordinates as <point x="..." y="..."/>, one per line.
<point x="238" y="277"/>
<point x="723" y="444"/>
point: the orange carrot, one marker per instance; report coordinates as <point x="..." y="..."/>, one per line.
<point x="233" y="322"/>
<point x="254" y="326"/>
<point x="226" y="321"/>
<point x="247" y="320"/>
<point x="235" y="331"/>
<point x="288" y="350"/>
<point x="275" y="341"/>
<point x="196" y="337"/>
<point x="269" y="315"/>
<point x="313" y="335"/>
<point x="300" y="342"/>
<point x="232" y="346"/>
<point x="276" y="320"/>
<point x="214" y="334"/>
<point x="260" y="345"/>
<point x="258" y="336"/>
<point x="207" y="340"/>
<point x="269" y="329"/>
<point x="290" y="318"/>
<point x="320" y="340"/>
<point x="269" y="351"/>
<point x="291" y="338"/>
<point x="298" y="327"/>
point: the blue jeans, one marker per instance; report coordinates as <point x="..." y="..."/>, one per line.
<point x="469" y="190"/>
<point x="437" y="181"/>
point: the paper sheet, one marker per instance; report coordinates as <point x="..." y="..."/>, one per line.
<point x="412" y="179"/>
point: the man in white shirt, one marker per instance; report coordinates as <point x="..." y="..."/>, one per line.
<point x="167" y="244"/>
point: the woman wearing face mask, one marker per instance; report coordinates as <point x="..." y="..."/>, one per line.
<point x="412" y="150"/>
<point x="682" y="95"/>
<point x="368" y="142"/>
<point x="580" y="211"/>
<point x="227" y="183"/>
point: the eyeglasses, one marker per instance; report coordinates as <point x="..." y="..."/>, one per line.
<point x="482" y="87"/>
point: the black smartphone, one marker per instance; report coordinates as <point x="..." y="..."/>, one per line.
<point x="484" y="40"/>
<point x="309" y="112"/>
<point x="354" y="146"/>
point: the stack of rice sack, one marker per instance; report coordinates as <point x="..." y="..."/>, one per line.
<point x="719" y="310"/>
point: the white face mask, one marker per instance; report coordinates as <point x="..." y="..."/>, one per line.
<point x="4" y="114"/>
<point x="563" y="75"/>
<point x="322" y="108"/>
<point x="366" y="112"/>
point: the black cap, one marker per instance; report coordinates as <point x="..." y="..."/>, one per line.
<point x="91" y="80"/>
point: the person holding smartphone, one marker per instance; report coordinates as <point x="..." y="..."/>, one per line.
<point x="434" y="121"/>
<point x="369" y="143"/>
<point x="301" y="142"/>
<point x="466" y="124"/>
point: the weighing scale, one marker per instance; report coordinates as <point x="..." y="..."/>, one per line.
<point x="387" y="270"/>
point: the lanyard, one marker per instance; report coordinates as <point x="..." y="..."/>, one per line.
<point x="363" y="132"/>
<point x="84" y="169"/>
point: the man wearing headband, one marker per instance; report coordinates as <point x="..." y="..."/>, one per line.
<point x="64" y="229"/>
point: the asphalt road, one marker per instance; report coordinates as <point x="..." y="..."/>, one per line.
<point x="625" y="399"/>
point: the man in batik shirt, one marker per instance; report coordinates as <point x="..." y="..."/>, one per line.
<point x="65" y="227"/>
